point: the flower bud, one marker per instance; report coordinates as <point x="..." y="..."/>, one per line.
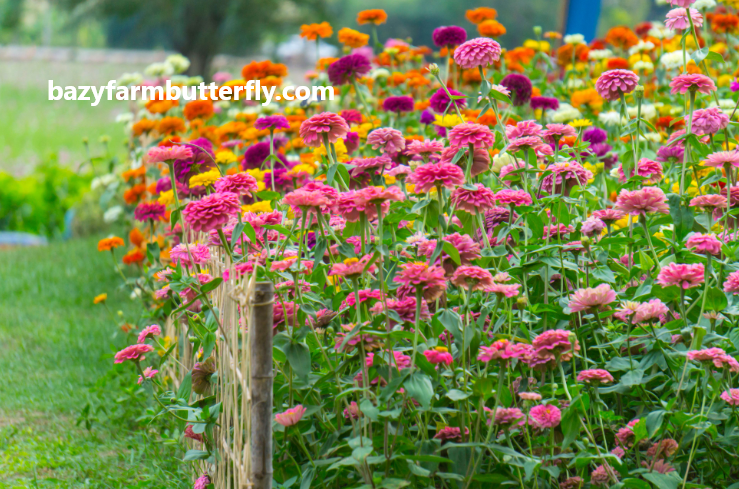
<point x="537" y="30"/>
<point x="434" y="69"/>
<point x="585" y="240"/>
<point x="522" y="301"/>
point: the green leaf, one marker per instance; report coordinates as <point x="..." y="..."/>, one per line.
<point x="419" y="387"/>
<point x="307" y="478"/>
<point x="457" y="395"/>
<point x="632" y="377"/>
<point x="268" y="195"/>
<point x="716" y="300"/>
<point x="298" y="356"/>
<point x="195" y="455"/>
<point x="450" y="250"/>
<point x="654" y="421"/>
<point x="185" y="387"/>
<point x="663" y="481"/>
<point x="208" y="286"/>
<point x="570" y="427"/>
<point x="682" y="217"/>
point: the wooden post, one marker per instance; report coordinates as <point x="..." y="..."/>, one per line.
<point x="260" y="330"/>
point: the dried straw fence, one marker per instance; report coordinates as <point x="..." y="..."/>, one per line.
<point x="244" y="365"/>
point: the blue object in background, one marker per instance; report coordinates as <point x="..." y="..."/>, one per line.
<point x="582" y="17"/>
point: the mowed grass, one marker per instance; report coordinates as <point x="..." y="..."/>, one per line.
<point x="33" y="128"/>
<point x="54" y="345"/>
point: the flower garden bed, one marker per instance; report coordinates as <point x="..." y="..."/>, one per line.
<point x="508" y="268"/>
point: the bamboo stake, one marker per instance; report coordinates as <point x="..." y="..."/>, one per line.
<point x="261" y="386"/>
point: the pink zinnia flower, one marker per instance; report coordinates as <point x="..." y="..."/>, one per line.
<point x="429" y="176"/>
<point x="645" y="168"/>
<point x="472" y="278"/>
<point x="716" y="356"/>
<point x="352" y="267"/>
<point x="677" y="19"/>
<point x="202" y="482"/>
<point x="731" y="396"/>
<point x="406" y="308"/>
<point x="523" y="143"/>
<point x="430" y="279"/>
<point x="212" y="211"/>
<point x="514" y="198"/>
<point x="499" y="350"/>
<point x="592" y="226"/>
<point x="313" y="129"/>
<point x="438" y="357"/>
<point x="563" y="175"/>
<point x="732" y="283"/>
<point x="529" y="396"/>
<point x="554" y="132"/>
<point x="697" y="82"/>
<point x="722" y="158"/>
<point x="387" y="139"/>
<point x="449" y="433"/>
<point x="133" y="352"/>
<point x="709" y="121"/>
<point x="602" y="476"/>
<point x="643" y="201"/>
<point x="681" y="3"/>
<point x="148" y="374"/>
<point x="480" y="51"/>
<point x="589" y="299"/>
<point x="304" y="199"/>
<point x="473" y="201"/>
<point x="507" y="290"/>
<point x="291" y="416"/>
<point x="523" y="129"/>
<point x="469" y="133"/>
<point x="424" y="147"/>
<point x="704" y="244"/>
<point x="682" y="275"/>
<point x="148" y="332"/>
<point x="545" y="416"/>
<point x="609" y="215"/>
<point x="595" y="376"/>
<point x="709" y="202"/>
<point x="200" y="254"/>
<point x="239" y="183"/>
<point x="507" y="417"/>
<point x="160" y="154"/>
<point x="650" y="311"/>
<point x="612" y="84"/>
<point x="400" y="171"/>
<point x="556" y="341"/>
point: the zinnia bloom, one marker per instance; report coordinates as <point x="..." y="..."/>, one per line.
<point x="677" y="19"/>
<point x="272" y="123"/>
<point x="682" y="275"/>
<point x="545" y="416"/>
<point x="239" y="183"/>
<point x="473" y="201"/>
<point x="149" y="210"/>
<point x="520" y="88"/>
<point x="507" y="417"/>
<point x="447" y="36"/>
<point x="595" y="376"/>
<point x="704" y="244"/>
<point x="291" y="416"/>
<point x="731" y="285"/>
<point x="429" y="279"/>
<point x="469" y="133"/>
<point x="439" y="356"/>
<point x="348" y="68"/>
<point x="472" y="278"/>
<point x="212" y="211"/>
<point x="722" y="158"/>
<point x="563" y="175"/>
<point x="387" y="139"/>
<point x="612" y="84"/>
<point x="716" y="356"/>
<point x="398" y="104"/>
<point x="555" y="342"/>
<point x="160" y="154"/>
<point x="694" y="82"/>
<point x="731" y="396"/>
<point x="440" y="101"/>
<point x="313" y="129"/>
<point x="650" y="311"/>
<point x="709" y="121"/>
<point x="133" y="352"/>
<point x="589" y="299"/>
<point x="429" y="176"/>
<point x="480" y="51"/>
<point x="643" y="201"/>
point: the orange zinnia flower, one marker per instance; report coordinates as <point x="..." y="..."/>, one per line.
<point x="724" y="23"/>
<point x="353" y="39"/>
<point x="142" y="126"/>
<point x="617" y="64"/>
<point x="491" y="28"/>
<point x="171" y="125"/>
<point x="481" y="14"/>
<point x="376" y="16"/>
<point x="202" y="109"/>
<point x="314" y="31"/>
<point x="136" y="255"/>
<point x="622" y="37"/>
<point x="259" y="70"/>
<point x="134" y="193"/>
<point x="136" y="237"/>
<point x="108" y="244"/>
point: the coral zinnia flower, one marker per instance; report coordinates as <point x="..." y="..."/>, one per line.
<point x="314" y="31"/>
<point x="643" y="201"/>
<point x="133" y="352"/>
<point x="291" y="416"/>
<point x="473" y="201"/>
<point x="472" y="278"/>
<point x="589" y="299"/>
<point x="375" y="16"/>
<point x="429" y="279"/>
<point x="160" y="154"/>
<point x="352" y="267"/>
<point x="470" y="133"/>
<point x="595" y="376"/>
<point x="429" y="176"/>
<point x="683" y="275"/>
<point x="314" y="128"/>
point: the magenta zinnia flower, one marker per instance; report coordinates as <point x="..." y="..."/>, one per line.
<point x="387" y="139"/>
<point x="291" y="416"/>
<point x="272" y="123"/>
<point x="563" y="175"/>
<point x="709" y="121"/>
<point x="440" y="101"/>
<point x="589" y="299"/>
<point x="545" y="416"/>
<point x="643" y="201"/>
<point x="149" y="210"/>
<point x="313" y="129"/>
<point x="697" y="82"/>
<point x="239" y="183"/>
<point x="473" y="201"/>
<point x="398" y="104"/>
<point x="480" y="51"/>
<point x="677" y="19"/>
<point x="469" y="133"/>
<point x="520" y="88"/>
<point x="429" y="176"/>
<point x="212" y="211"/>
<point x="438" y="357"/>
<point x="612" y="84"/>
<point x="472" y="278"/>
<point x="683" y="275"/>
<point x="419" y="275"/>
<point x="446" y="36"/>
<point x="202" y="482"/>
<point x="133" y="352"/>
<point x="348" y="68"/>
<point x="732" y="283"/>
<point x="704" y="244"/>
<point x="595" y="376"/>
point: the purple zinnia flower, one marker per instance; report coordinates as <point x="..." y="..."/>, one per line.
<point x="427" y="117"/>
<point x="272" y="123"/>
<point x="544" y="103"/>
<point x="520" y="87"/>
<point x="199" y="162"/>
<point x="346" y="69"/>
<point x="450" y="35"/>
<point x="255" y="155"/>
<point x="398" y="104"/>
<point x="439" y="101"/>
<point x="594" y="135"/>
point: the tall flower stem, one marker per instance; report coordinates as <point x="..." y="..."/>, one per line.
<point x="272" y="155"/>
<point x="643" y="220"/>
<point x="688" y="132"/>
<point x="419" y="298"/>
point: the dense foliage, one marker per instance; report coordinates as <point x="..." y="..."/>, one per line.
<point x="518" y="268"/>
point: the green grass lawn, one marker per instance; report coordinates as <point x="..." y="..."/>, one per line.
<point x="54" y="346"/>
<point x="33" y="128"/>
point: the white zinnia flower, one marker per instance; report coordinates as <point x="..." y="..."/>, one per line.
<point x="179" y="63"/>
<point x="574" y="39"/>
<point x="565" y="113"/>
